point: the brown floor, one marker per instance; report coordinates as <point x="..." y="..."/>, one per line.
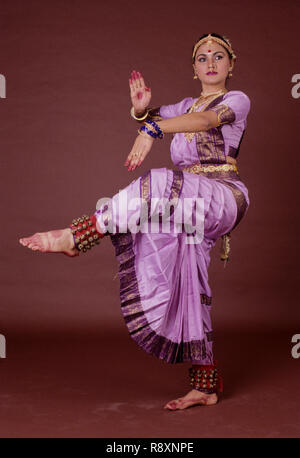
<point x="67" y="386"/>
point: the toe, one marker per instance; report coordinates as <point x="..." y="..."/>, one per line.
<point x="173" y="405"/>
<point x="34" y="246"/>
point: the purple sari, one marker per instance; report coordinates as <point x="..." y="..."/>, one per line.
<point x="165" y="295"/>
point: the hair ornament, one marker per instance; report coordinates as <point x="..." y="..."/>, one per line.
<point x="210" y="39"/>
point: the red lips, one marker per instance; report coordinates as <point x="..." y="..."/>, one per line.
<point x="212" y="73"/>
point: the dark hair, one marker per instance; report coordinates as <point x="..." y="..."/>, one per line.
<point x="214" y="35"/>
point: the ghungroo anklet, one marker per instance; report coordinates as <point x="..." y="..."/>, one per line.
<point x="205" y="378"/>
<point x="85" y="232"/>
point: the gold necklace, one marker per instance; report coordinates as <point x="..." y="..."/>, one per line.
<point x="205" y="101"/>
<point x="220" y="91"/>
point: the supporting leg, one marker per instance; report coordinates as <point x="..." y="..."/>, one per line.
<point x="206" y="384"/>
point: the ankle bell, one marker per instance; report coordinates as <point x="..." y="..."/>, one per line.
<point x="85" y="233"/>
<point x="205" y="378"/>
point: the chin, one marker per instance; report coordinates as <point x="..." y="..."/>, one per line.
<point x="214" y="80"/>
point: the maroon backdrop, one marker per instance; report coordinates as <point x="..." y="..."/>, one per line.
<point x="65" y="133"/>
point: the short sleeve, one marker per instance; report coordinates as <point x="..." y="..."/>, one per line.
<point x="234" y="107"/>
<point x="170" y="111"/>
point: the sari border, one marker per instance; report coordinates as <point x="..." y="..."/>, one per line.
<point x="240" y="200"/>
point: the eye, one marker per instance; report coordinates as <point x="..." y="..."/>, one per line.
<point x="219" y="56"/>
<point x="201" y="59"/>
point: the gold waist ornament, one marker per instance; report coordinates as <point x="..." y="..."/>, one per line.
<point x="197" y="168"/>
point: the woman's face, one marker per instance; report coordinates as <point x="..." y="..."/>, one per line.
<point x="212" y="63"/>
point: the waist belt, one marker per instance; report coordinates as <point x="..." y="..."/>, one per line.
<point x="199" y="168"/>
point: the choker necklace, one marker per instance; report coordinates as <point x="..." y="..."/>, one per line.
<point x="208" y="97"/>
<point x="221" y="91"/>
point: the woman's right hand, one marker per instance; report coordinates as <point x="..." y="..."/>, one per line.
<point x="140" y="94"/>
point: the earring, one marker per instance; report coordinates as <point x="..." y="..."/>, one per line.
<point x="195" y="77"/>
<point x="230" y="74"/>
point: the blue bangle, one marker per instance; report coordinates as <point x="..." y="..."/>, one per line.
<point x="156" y="126"/>
<point x="149" y="132"/>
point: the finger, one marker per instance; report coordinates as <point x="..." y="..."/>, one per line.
<point x="142" y="81"/>
<point x="138" y="80"/>
<point x="134" y="161"/>
<point x="141" y="146"/>
<point x="140" y="160"/>
<point x="129" y="161"/>
<point x="143" y="84"/>
<point x="133" y="74"/>
<point x="132" y="87"/>
<point x="134" y="80"/>
<point x="141" y="156"/>
<point x="136" y="157"/>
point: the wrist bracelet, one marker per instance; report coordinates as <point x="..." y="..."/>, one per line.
<point x="149" y="132"/>
<point x="152" y="129"/>
<point x="156" y="127"/>
<point x="135" y="117"/>
<point x="142" y="134"/>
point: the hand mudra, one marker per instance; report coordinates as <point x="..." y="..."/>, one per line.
<point x="140" y="94"/>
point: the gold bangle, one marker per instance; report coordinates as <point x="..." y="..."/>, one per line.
<point x="143" y="134"/>
<point x="135" y="117"/>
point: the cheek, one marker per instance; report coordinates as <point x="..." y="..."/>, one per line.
<point x="200" y="67"/>
<point x="223" y="65"/>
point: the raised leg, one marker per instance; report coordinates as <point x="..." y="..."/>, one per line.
<point x="82" y="235"/>
<point x="56" y="241"/>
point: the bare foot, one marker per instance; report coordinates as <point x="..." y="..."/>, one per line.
<point x="194" y="397"/>
<point x="58" y="241"/>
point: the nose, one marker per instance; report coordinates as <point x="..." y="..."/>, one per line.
<point x="211" y="63"/>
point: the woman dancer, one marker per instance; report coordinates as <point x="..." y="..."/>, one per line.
<point x="165" y="296"/>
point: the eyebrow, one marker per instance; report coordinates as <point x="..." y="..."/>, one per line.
<point x="202" y="54"/>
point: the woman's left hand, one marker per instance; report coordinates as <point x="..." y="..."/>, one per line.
<point x="140" y="149"/>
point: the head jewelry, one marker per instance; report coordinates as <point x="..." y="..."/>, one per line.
<point x="209" y="40"/>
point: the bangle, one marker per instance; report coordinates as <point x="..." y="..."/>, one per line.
<point x="145" y="131"/>
<point x="135" y="117"/>
<point x="150" y="132"/>
<point x="150" y="124"/>
<point x="142" y="134"/>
